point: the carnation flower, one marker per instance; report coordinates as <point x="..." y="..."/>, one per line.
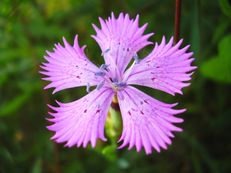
<point x="147" y="122"/>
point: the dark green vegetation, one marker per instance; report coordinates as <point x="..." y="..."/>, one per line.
<point x="28" y="28"/>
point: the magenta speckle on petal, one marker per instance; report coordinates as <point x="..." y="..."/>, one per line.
<point x="147" y="123"/>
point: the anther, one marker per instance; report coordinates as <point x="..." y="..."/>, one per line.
<point x="104" y="67"/>
<point x="88" y="88"/>
<point x="100" y="73"/>
<point x="119" y="84"/>
<point x="100" y="85"/>
<point x="110" y="79"/>
<point x="106" y="51"/>
<point x="136" y="58"/>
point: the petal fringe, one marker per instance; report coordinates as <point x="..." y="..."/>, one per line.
<point x="147" y="122"/>
<point x="68" y="67"/>
<point x="166" y="68"/>
<point x="82" y="121"/>
<point x="120" y="39"/>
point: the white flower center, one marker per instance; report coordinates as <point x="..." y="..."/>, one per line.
<point x="115" y="83"/>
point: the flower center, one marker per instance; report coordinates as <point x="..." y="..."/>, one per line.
<point x="118" y="85"/>
<point x="111" y="76"/>
<point x="115" y="83"/>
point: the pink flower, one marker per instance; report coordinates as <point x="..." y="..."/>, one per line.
<point x="147" y="122"/>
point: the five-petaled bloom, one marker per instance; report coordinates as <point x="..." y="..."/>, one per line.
<point x="147" y="122"/>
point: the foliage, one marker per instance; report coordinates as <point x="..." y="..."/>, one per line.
<point x="225" y="7"/>
<point x="29" y="27"/>
<point x="219" y="67"/>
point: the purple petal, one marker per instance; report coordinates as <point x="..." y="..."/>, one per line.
<point x="120" y="39"/>
<point x="147" y="122"/>
<point x="166" y="68"/>
<point x="68" y="67"/>
<point x="82" y="121"/>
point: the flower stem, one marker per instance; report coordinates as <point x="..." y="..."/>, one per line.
<point x="113" y="130"/>
<point x="177" y="21"/>
<point x="113" y="122"/>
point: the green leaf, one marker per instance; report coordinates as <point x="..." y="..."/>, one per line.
<point x="220" y="30"/>
<point x="225" y="7"/>
<point x="224" y="47"/>
<point x="218" y="68"/>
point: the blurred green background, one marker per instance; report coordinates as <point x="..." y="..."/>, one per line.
<point x="29" y="27"/>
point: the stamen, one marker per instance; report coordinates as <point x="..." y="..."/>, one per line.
<point x="106" y="51"/>
<point x="100" y="85"/>
<point x="119" y="84"/>
<point x="110" y="79"/>
<point x="100" y="73"/>
<point x="104" y="67"/>
<point x="115" y="80"/>
<point x="88" y="88"/>
<point x="136" y="58"/>
<point x="128" y="71"/>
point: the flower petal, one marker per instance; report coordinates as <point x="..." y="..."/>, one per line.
<point x="68" y="67"/>
<point x="147" y="122"/>
<point x="81" y="121"/>
<point x="120" y="39"/>
<point x="166" y="68"/>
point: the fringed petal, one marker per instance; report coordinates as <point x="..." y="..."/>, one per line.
<point x="147" y="122"/>
<point x="82" y="121"/>
<point x="167" y="68"/>
<point x="68" y="67"/>
<point x="120" y="39"/>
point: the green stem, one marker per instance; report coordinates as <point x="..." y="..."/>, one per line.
<point x="113" y="130"/>
<point x="113" y="122"/>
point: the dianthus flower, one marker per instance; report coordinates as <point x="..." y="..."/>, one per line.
<point x="147" y="122"/>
